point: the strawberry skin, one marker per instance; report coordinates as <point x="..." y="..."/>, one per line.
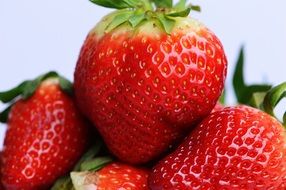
<point x="237" y="148"/>
<point x="218" y="107"/>
<point x="46" y="136"/>
<point x="112" y="176"/>
<point x="144" y="88"/>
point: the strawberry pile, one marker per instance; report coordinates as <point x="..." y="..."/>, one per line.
<point x="144" y="113"/>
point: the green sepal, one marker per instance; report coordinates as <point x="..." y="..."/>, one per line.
<point x="183" y="13"/>
<point x="63" y="183"/>
<point x="65" y="85"/>
<point x="167" y="23"/>
<point x="195" y="7"/>
<point x="119" y="19"/>
<point x="66" y="181"/>
<point x="163" y="3"/>
<point x="136" y="19"/>
<point x="91" y="153"/>
<point x="95" y="164"/>
<point x="238" y="78"/>
<point x="5" y="114"/>
<point x="9" y="95"/>
<point x="148" y="10"/>
<point x="257" y="100"/>
<point x="272" y="99"/>
<point x="222" y="98"/>
<point x="181" y="5"/>
<point x="27" y="88"/>
<point x="122" y="4"/>
<point x="284" y="119"/>
<point x="242" y="91"/>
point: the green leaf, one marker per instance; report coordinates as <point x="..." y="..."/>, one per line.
<point x="273" y="97"/>
<point x="119" y="19"/>
<point x="4" y="115"/>
<point x="167" y="23"/>
<point x="163" y="3"/>
<point x="183" y="13"/>
<point x="116" y="4"/>
<point x="95" y="164"/>
<point x="243" y="92"/>
<point x="181" y="5"/>
<point x="136" y="19"/>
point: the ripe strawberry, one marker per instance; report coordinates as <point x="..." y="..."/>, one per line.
<point x="112" y="176"/>
<point x="237" y="148"/>
<point x="46" y="134"/>
<point x="218" y="107"/>
<point x="1" y="186"/>
<point x="146" y="76"/>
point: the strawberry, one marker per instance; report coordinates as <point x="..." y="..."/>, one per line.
<point x="1" y="186"/>
<point x="218" y="107"/>
<point x="112" y="176"/>
<point x="145" y="76"/>
<point x="46" y="133"/>
<point x="237" y="148"/>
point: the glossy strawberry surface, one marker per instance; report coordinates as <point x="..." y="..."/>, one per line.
<point x="112" y="176"/>
<point x="46" y="136"/>
<point x="237" y="148"/>
<point x="144" y="88"/>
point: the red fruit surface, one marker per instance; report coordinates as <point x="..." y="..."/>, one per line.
<point x="144" y="88"/>
<point x="1" y="186"/>
<point x="46" y="136"/>
<point x="238" y="148"/>
<point x="218" y="107"/>
<point x="111" y="177"/>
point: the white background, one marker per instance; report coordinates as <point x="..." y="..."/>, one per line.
<point x="38" y="36"/>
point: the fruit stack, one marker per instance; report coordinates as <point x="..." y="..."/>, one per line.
<point x="143" y="113"/>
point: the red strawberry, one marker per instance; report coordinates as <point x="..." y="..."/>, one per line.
<point x="1" y="186"/>
<point x="237" y="148"/>
<point x="218" y="107"/>
<point x="46" y="135"/>
<point x="112" y="176"/>
<point x="144" y="77"/>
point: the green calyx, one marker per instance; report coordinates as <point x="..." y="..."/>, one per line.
<point x="92" y="160"/>
<point x="136" y="12"/>
<point x="262" y="96"/>
<point x="27" y="88"/>
<point x="272" y="99"/>
<point x="243" y="91"/>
